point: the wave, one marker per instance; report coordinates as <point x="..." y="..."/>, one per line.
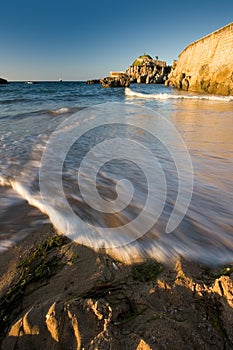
<point x="65" y="110"/>
<point x="17" y="100"/>
<point x="18" y="116"/>
<point x="165" y="96"/>
<point x="203" y="244"/>
<point x="153" y="245"/>
<point x="4" y="182"/>
<point x="60" y="111"/>
<point x="196" y="239"/>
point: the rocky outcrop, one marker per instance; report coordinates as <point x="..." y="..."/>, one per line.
<point x="206" y="65"/>
<point x="122" y="80"/>
<point x="93" y="81"/>
<point x="56" y="295"/>
<point x="147" y="70"/>
<point x="144" y="69"/>
<point x="3" y="81"/>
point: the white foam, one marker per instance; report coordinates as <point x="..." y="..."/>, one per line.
<point x="6" y="245"/>
<point x="165" y="96"/>
<point x="4" y="182"/>
<point x="33" y="199"/>
<point x="62" y="110"/>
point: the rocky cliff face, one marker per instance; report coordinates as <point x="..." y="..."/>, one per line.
<point x="206" y="65"/>
<point x="144" y="69"/>
<point x="147" y="70"/>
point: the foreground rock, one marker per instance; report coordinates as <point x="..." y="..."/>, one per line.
<point x="206" y="65"/>
<point x="122" y="80"/>
<point x="55" y="294"/>
<point x="3" y="81"/>
<point x="147" y="70"/>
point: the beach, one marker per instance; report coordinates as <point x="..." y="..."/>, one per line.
<point x="79" y="299"/>
<point x="66" y="288"/>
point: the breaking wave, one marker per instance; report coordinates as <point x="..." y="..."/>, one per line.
<point x="166" y="96"/>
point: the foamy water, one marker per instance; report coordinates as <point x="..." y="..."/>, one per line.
<point x="205" y="123"/>
<point x="181" y="96"/>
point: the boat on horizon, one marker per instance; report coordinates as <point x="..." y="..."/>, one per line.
<point x="31" y="82"/>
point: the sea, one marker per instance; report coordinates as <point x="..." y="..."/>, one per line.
<point x="143" y="171"/>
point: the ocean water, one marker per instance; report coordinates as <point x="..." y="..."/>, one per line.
<point x="146" y="141"/>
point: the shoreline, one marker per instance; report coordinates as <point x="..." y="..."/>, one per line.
<point x="56" y="294"/>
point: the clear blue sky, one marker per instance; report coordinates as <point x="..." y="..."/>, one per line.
<point x="78" y="40"/>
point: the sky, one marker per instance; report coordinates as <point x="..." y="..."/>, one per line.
<point x="79" y="40"/>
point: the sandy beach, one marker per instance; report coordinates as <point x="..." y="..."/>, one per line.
<point x="56" y="294"/>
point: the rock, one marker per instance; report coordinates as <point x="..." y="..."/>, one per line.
<point x="147" y="70"/>
<point x="160" y="79"/>
<point x="185" y="84"/>
<point x="3" y="81"/>
<point x="143" y="70"/>
<point x="133" y="80"/>
<point x="83" y="302"/>
<point x="93" y="81"/>
<point x="122" y="80"/>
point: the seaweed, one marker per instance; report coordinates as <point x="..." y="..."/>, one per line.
<point x="147" y="271"/>
<point x="225" y="271"/>
<point x="36" y="267"/>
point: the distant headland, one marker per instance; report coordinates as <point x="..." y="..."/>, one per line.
<point x="3" y="81"/>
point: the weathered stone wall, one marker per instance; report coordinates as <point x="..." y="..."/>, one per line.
<point x="206" y="65"/>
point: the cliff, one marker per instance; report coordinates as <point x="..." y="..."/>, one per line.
<point x="144" y="69"/>
<point x="147" y="70"/>
<point x="206" y="65"/>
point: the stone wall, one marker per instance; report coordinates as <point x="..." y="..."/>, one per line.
<point x="206" y="65"/>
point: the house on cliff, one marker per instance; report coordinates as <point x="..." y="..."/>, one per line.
<point x="116" y="74"/>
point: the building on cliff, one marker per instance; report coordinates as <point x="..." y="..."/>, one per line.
<point x="116" y="74"/>
<point x="206" y="65"/>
